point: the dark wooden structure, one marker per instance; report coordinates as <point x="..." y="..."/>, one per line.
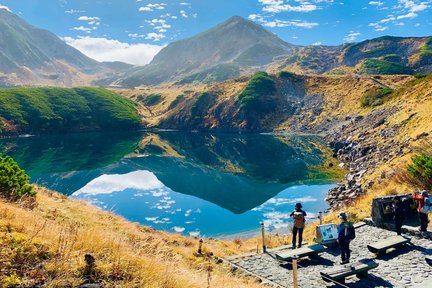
<point x="382" y="246"/>
<point x="306" y="251"/>
<point x="359" y="268"/>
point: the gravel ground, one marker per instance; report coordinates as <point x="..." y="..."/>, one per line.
<point x="404" y="267"/>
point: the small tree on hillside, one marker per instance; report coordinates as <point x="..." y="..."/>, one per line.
<point x="421" y="170"/>
<point x="14" y="182"/>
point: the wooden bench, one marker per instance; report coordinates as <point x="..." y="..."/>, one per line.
<point x="359" y="268"/>
<point x="429" y="260"/>
<point x="305" y="251"/>
<point x="382" y="246"/>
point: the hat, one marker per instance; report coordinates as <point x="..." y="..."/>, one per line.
<point x="424" y="193"/>
<point x="298" y="205"/>
<point x="343" y="215"/>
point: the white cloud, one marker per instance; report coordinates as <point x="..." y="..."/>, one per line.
<point x="282" y="23"/>
<point x="413" y="6"/>
<point x="82" y="28"/>
<point x="73" y="11"/>
<point x="379" y="29"/>
<point x="155" y="36"/>
<point x="183" y="14"/>
<point x="194" y="233"/>
<point x="178" y="229"/>
<point x="352" y="36"/>
<point x="185" y="4"/>
<point x="106" y="184"/>
<point x="103" y="49"/>
<point x="5" y="8"/>
<point x="376" y="3"/>
<point x="87" y="18"/>
<point x="152" y="7"/>
<point x="277" y="6"/>
<point x="409" y="15"/>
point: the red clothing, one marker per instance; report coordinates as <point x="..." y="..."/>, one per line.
<point x="421" y="201"/>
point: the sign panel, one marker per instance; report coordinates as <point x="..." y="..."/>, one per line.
<point x="327" y="233"/>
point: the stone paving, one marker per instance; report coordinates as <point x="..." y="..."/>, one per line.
<point x="404" y="267"/>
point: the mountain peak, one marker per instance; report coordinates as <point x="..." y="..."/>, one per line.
<point x="236" y="41"/>
<point x="237" y="19"/>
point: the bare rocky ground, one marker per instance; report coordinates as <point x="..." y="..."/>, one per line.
<point x="360" y="155"/>
<point x="404" y="267"/>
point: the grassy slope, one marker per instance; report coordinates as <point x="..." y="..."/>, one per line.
<point x="50" y="241"/>
<point x="61" y="110"/>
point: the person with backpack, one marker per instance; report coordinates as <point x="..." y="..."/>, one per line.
<point x="346" y="233"/>
<point x="424" y="207"/>
<point x="398" y="210"/>
<point x="299" y="216"/>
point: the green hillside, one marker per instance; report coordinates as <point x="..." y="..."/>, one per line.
<point x="375" y="66"/>
<point x="34" y="110"/>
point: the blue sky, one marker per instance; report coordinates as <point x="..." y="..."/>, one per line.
<point x="134" y="30"/>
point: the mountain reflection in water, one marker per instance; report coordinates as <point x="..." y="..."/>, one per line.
<point x="190" y="183"/>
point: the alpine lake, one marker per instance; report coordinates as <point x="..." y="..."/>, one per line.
<point x="198" y="184"/>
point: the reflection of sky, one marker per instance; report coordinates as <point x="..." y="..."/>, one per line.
<point x="139" y="196"/>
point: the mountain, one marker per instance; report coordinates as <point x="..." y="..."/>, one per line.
<point x="384" y="55"/>
<point x="239" y="46"/>
<point x="237" y="41"/>
<point x="32" y="56"/>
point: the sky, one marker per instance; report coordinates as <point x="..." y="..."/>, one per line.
<point x="133" y="31"/>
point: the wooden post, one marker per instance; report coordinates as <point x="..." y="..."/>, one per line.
<point x="263" y="238"/>
<point x="200" y="246"/>
<point x="294" y="269"/>
<point x="320" y="218"/>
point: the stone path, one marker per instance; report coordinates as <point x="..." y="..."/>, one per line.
<point x="404" y="267"/>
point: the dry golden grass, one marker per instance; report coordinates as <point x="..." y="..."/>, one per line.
<point x="48" y="244"/>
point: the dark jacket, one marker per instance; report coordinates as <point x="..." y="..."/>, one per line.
<point x="298" y="210"/>
<point x="399" y="211"/>
<point x="341" y="231"/>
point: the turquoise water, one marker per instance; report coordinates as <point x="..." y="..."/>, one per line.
<point x="189" y="183"/>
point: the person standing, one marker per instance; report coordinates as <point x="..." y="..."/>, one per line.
<point x="299" y="223"/>
<point x="399" y="214"/>
<point x="346" y="233"/>
<point x="424" y="206"/>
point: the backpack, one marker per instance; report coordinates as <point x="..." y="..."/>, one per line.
<point x="349" y="232"/>
<point x="426" y="207"/>
<point x="299" y="219"/>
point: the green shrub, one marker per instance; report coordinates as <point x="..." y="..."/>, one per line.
<point x="375" y="66"/>
<point x="420" y="75"/>
<point x="152" y="99"/>
<point x="426" y="48"/>
<point x="14" y="182"/>
<point x="375" y="96"/>
<point x="392" y="58"/>
<point x="218" y="73"/>
<point x="254" y="98"/>
<point x="176" y="101"/>
<point x="286" y="74"/>
<point x="200" y="104"/>
<point x="336" y="72"/>
<point x="421" y="170"/>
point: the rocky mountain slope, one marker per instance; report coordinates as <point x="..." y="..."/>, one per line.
<point x="385" y="55"/>
<point x="33" y="56"/>
<point x="241" y="47"/>
<point x="237" y="41"/>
